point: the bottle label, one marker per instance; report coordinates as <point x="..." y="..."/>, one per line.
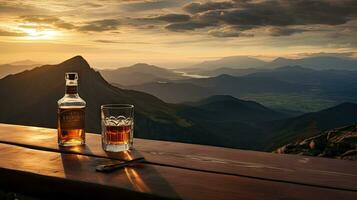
<point x="71" y="118"/>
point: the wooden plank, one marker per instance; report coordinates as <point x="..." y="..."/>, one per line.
<point x="54" y="175"/>
<point x="321" y="172"/>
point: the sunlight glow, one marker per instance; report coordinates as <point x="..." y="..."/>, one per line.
<point x="36" y="34"/>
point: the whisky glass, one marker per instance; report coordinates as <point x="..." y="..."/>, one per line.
<point x="117" y="127"/>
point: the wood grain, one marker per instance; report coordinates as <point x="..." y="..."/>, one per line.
<point x="55" y="175"/>
<point x="319" y="172"/>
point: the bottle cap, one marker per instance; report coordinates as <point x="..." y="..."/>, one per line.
<point x="72" y="76"/>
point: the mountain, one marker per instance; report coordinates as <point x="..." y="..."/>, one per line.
<point x="298" y="74"/>
<point x="235" y="62"/>
<point x="242" y="65"/>
<point x="138" y="74"/>
<point x="31" y="98"/>
<point x="336" y="143"/>
<point x="228" y="108"/>
<point x="337" y="85"/>
<point x="16" y="67"/>
<point x="174" y="92"/>
<point x="240" y="86"/>
<point x="318" y="62"/>
<point x="198" y="88"/>
<point x="291" y="88"/>
<point x="229" y="71"/>
<point x="232" y="120"/>
<point x="310" y="124"/>
<point x="24" y="62"/>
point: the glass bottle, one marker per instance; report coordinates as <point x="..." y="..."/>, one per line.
<point x="71" y="114"/>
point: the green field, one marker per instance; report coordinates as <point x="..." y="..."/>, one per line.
<point x="292" y="101"/>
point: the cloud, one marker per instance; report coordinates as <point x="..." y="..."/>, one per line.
<point x="283" y="13"/>
<point x="151" y="5"/>
<point x="184" y="26"/>
<point x="279" y="15"/>
<point x="10" y="33"/>
<point x="45" y="19"/>
<point x="173" y="18"/>
<point x="12" y="8"/>
<point x="201" y="7"/>
<point x="341" y="55"/>
<point x="121" y="42"/>
<point x="230" y="31"/>
<point x="100" y="25"/>
<point x="91" y="5"/>
<point x="95" y="26"/>
<point x="283" y="31"/>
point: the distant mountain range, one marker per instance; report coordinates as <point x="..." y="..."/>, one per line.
<point x="318" y="63"/>
<point x="16" y="67"/>
<point x="138" y="74"/>
<point x="223" y="84"/>
<point x="229" y="71"/>
<point x="174" y="92"/>
<point x="235" y="64"/>
<point x="142" y="73"/>
<point x="288" y="87"/>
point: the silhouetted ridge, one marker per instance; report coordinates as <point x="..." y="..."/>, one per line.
<point x="139" y="73"/>
<point x="76" y="62"/>
<point x="224" y="76"/>
<point x="294" y="68"/>
<point x="216" y="98"/>
<point x="144" y="65"/>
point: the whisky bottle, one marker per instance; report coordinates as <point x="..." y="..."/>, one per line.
<point x="71" y="114"/>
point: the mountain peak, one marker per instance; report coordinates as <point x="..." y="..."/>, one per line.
<point x="24" y="62"/>
<point x="280" y="59"/>
<point x="76" y="62"/>
<point x="144" y="66"/>
<point x="141" y="64"/>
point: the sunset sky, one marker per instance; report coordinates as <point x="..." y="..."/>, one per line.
<point x="174" y="33"/>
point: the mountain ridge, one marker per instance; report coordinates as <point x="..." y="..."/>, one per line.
<point x="237" y="66"/>
<point x="138" y="73"/>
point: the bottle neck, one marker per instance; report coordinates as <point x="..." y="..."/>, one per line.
<point x="71" y="90"/>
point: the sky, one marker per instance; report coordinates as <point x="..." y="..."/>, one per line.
<point x="174" y="33"/>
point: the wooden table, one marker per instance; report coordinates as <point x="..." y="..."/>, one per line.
<point x="32" y="163"/>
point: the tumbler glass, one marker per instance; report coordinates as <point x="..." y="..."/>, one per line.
<point x="117" y="127"/>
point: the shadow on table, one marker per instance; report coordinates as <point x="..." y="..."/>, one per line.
<point x="144" y="177"/>
<point x="141" y="178"/>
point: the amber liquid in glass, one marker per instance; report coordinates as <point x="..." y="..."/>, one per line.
<point x="117" y="134"/>
<point x="71" y="126"/>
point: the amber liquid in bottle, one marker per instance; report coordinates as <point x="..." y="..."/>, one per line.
<point x="71" y="126"/>
<point x="71" y="114"/>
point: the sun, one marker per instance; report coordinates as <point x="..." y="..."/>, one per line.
<point x="37" y="34"/>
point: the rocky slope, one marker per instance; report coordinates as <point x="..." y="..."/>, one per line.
<point x="336" y="143"/>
